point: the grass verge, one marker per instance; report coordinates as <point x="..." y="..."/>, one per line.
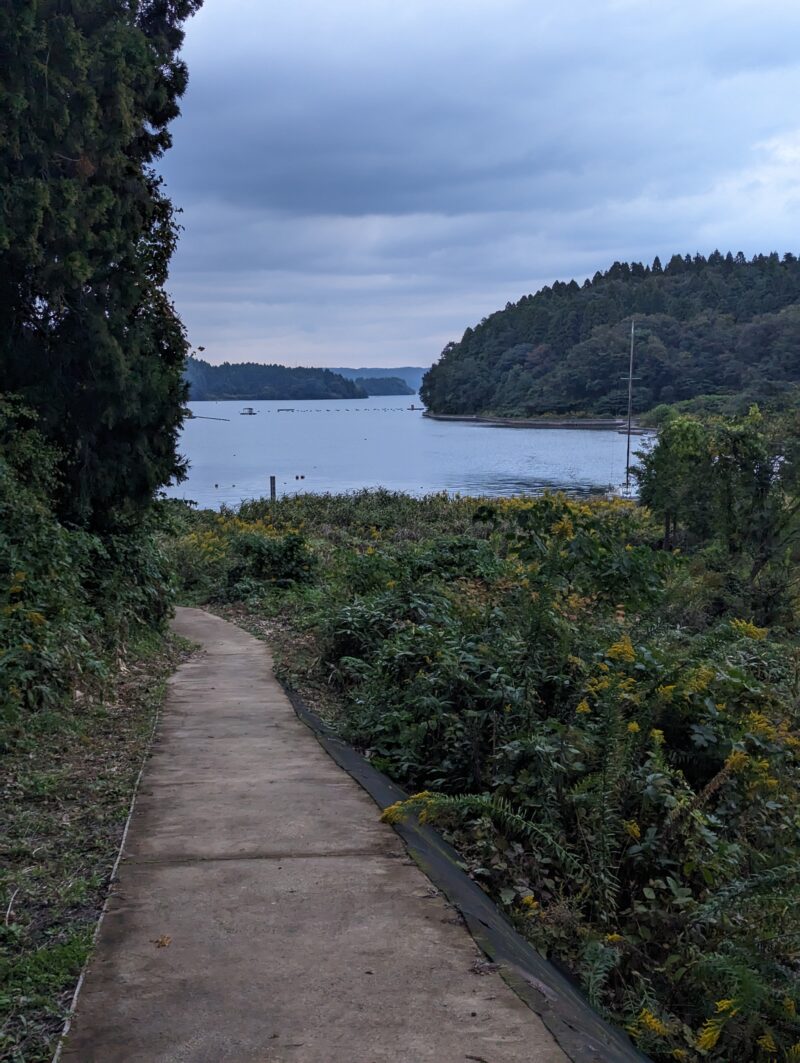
<point x="66" y="791"/>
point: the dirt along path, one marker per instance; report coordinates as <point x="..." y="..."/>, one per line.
<point x="262" y="911"/>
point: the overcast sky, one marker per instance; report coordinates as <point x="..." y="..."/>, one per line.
<point x="362" y="180"/>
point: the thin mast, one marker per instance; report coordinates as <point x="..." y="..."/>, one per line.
<point x="630" y="404"/>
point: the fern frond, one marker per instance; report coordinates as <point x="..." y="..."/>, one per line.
<point x="763" y="882"/>
<point x="598" y="962"/>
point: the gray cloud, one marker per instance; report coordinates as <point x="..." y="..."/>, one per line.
<point x="361" y="181"/>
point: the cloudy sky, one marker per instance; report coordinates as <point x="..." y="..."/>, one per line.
<point x="362" y="180"/>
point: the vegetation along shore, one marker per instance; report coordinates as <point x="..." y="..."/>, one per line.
<point x="611" y="424"/>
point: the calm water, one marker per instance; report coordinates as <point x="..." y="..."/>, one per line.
<point x="349" y="444"/>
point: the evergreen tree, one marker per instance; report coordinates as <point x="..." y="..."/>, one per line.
<point x="88" y="336"/>
<point x="718" y="327"/>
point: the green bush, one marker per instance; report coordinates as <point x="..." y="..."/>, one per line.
<point x="223" y="557"/>
<point x="626" y="786"/>
<point x="69" y="600"/>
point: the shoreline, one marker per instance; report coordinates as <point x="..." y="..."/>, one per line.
<point x="607" y="424"/>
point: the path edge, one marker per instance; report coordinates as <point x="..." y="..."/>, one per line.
<point x="112" y="880"/>
<point x="581" y="1032"/>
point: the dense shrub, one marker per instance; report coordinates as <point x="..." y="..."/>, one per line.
<point x="69" y="600"/>
<point x="223" y="557"/>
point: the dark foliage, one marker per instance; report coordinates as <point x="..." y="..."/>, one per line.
<point x="251" y="380"/>
<point x="88" y="336"/>
<point x="70" y="600"/>
<point x="720" y="325"/>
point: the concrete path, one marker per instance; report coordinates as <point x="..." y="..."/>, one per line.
<point x="263" y="913"/>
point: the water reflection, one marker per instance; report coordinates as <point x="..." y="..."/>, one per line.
<point x="350" y="445"/>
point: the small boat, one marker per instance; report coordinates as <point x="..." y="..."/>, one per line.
<point x="413" y="407"/>
<point x="287" y="409"/>
<point x="248" y="411"/>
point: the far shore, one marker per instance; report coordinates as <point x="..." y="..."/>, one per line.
<point x="608" y="424"/>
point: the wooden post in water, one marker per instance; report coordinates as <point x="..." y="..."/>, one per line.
<point x="272" y="491"/>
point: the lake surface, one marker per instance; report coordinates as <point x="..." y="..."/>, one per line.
<point x="349" y="444"/>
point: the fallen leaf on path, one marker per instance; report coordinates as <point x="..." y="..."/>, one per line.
<point x="163" y="941"/>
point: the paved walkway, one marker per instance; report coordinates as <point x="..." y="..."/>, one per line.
<point x="263" y="912"/>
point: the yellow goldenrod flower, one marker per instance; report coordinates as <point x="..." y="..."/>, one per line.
<point x="700" y="679"/>
<point x="767" y="1042"/>
<point x="726" y="1004"/>
<point x="530" y="903"/>
<point x="393" y="813"/>
<point x="762" y="726"/>
<point x="633" y="829"/>
<point x="583" y="707"/>
<point x="658" y="736"/>
<point x="622" y="650"/>
<point x="737" y="760"/>
<point x="633" y="727"/>
<point x="789" y="1006"/>
<point x="564" y="527"/>
<point x="613" y="939"/>
<point x="747" y="629"/>
<point x="709" y="1035"/>
<point x="652" y="1023"/>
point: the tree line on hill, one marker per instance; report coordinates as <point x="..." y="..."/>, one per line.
<point x="253" y="380"/>
<point x="720" y="326"/>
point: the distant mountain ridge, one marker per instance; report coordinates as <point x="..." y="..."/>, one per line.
<point x="384" y="385"/>
<point x="411" y="374"/>
<point x="720" y="326"/>
<point x="252" y="380"/>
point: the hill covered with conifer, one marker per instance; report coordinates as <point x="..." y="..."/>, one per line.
<point x="720" y="326"/>
<point x="252" y="380"/>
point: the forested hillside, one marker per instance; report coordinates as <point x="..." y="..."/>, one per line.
<point x="250" y="380"/>
<point x="717" y="326"/>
